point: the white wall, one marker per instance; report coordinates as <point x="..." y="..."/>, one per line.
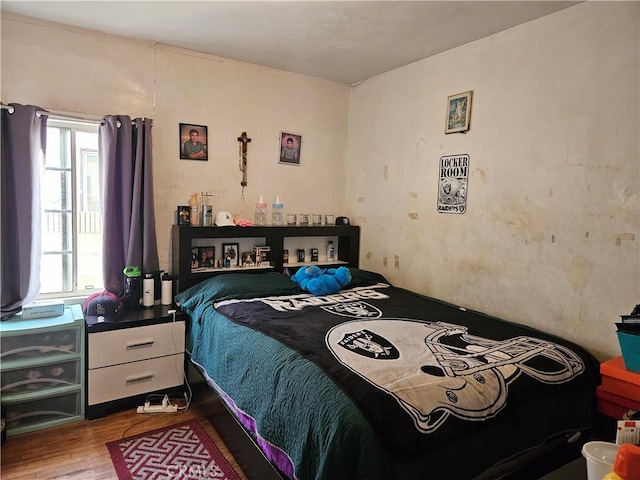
<point x="551" y="235"/>
<point x="72" y="70"/>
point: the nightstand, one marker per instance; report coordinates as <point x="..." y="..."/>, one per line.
<point x="140" y="354"/>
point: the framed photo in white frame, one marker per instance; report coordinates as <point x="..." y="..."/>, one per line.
<point x="230" y="251"/>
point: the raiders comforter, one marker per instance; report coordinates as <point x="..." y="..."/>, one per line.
<point x="378" y="382"/>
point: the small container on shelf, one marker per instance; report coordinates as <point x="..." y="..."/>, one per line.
<point x="331" y="253"/>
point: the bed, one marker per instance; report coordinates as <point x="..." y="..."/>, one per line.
<point x="377" y="382"/>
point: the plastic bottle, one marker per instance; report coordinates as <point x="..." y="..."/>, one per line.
<point x="331" y="254"/>
<point x="167" y="289"/>
<point x="276" y="213"/>
<point x="261" y="212"/>
<point x="627" y="465"/>
<point x="194" y="217"/>
<point x="148" y="290"/>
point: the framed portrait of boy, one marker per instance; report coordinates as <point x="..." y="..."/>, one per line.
<point x="458" y="112"/>
<point x="290" y="148"/>
<point x="193" y="142"/>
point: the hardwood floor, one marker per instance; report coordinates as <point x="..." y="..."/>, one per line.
<point x="77" y="451"/>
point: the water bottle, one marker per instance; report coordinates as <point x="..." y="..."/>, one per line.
<point x="207" y="209"/>
<point x="331" y="254"/>
<point x="261" y="212"/>
<point x="167" y="289"/>
<point x="148" y="290"/>
<point x="276" y="213"/>
<point x="132" y="287"/>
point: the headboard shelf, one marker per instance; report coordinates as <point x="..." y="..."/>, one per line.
<point x="182" y="241"/>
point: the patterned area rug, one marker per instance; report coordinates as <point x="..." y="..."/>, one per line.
<point x="183" y="451"/>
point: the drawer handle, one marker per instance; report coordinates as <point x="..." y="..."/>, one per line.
<point x="143" y="343"/>
<point x="139" y="378"/>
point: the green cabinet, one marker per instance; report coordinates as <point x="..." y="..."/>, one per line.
<point x="42" y="370"/>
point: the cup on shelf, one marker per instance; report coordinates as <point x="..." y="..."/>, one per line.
<point x="304" y="219"/>
<point x="329" y="219"/>
<point x="292" y="219"/>
<point x="316" y="219"/>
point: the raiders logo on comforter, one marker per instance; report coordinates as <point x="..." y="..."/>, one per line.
<point x="423" y="372"/>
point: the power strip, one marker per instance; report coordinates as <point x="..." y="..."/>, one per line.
<point x="157" y="409"/>
<point x="166" y="407"/>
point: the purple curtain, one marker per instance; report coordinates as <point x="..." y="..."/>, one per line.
<point x="23" y="137"/>
<point x="127" y="198"/>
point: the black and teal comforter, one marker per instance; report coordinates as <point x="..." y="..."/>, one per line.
<point x="376" y="382"/>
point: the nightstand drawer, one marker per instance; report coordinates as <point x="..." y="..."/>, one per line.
<point x="131" y="344"/>
<point x="128" y="379"/>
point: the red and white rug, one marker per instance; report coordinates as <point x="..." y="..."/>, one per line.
<point x="178" y="452"/>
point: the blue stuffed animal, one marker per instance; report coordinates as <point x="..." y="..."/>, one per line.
<point x="319" y="281"/>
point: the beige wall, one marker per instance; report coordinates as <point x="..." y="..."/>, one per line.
<point x="72" y="70"/>
<point x="551" y="234"/>
<point x="550" y="238"/>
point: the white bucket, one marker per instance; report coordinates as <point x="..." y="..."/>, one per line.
<point x="601" y="456"/>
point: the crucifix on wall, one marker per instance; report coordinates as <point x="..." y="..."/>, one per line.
<point x="244" y="141"/>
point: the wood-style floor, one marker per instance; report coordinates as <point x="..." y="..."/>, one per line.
<point x="77" y="451"/>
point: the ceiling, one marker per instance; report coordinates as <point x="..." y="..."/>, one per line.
<point x="343" y="41"/>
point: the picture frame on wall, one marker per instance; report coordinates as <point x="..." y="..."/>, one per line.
<point x="230" y="252"/>
<point x="458" y="112"/>
<point x="193" y="142"/>
<point x="290" y="148"/>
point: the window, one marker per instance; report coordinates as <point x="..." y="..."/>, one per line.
<point x="71" y="220"/>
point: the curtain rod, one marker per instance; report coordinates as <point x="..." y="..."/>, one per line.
<point x="64" y="114"/>
<point x="39" y="113"/>
<point x="82" y="117"/>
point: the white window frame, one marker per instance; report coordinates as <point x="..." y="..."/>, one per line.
<point x="76" y="125"/>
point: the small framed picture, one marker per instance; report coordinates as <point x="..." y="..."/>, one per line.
<point x="458" y="112"/>
<point x="206" y="257"/>
<point x="290" y="148"/>
<point x="247" y="259"/>
<point x="193" y="142"/>
<point x="231" y="254"/>
<point x="182" y="215"/>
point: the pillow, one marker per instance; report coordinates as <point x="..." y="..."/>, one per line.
<point x="364" y="278"/>
<point x="229" y="286"/>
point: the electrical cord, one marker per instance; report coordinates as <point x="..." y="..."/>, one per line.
<point x="174" y="398"/>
